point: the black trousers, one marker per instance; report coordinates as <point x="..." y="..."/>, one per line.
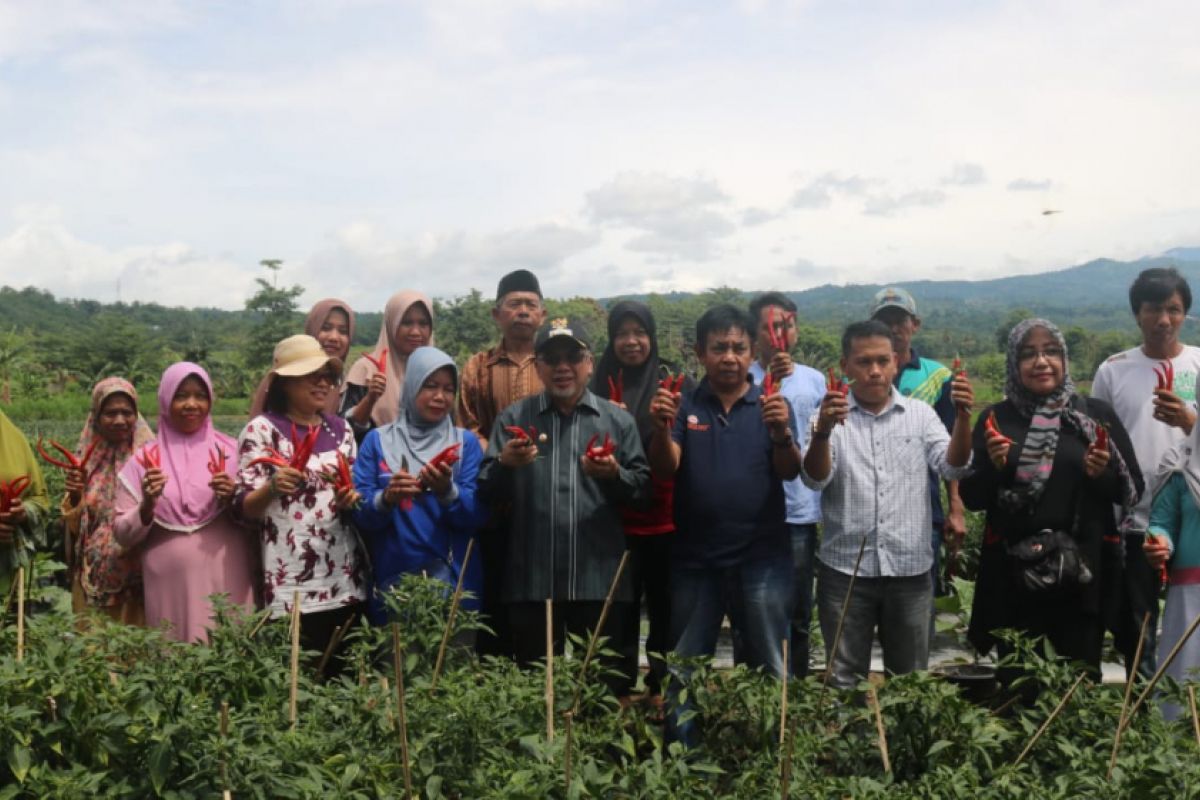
<point x="527" y="622"/>
<point x="317" y="629"/>
<point x="650" y="563"/>
<point x="493" y="549"/>
<point x="1140" y="596"/>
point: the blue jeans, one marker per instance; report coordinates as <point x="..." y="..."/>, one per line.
<point x="804" y="548"/>
<point x="757" y="595"/>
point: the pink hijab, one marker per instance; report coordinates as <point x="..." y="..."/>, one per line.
<point x="187" y="503"/>
<point x="387" y="409"/>
<point x="312" y="326"/>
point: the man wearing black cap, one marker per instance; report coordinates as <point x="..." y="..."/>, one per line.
<point x="491" y="381"/>
<point x="576" y="460"/>
<point x="498" y="377"/>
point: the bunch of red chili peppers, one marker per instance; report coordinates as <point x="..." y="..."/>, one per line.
<point x="521" y="434"/>
<point x="1165" y="375"/>
<point x="150" y="457"/>
<point x="72" y="461"/>
<point x="616" y="389"/>
<point x="217" y="460"/>
<point x="599" y="452"/>
<point x="778" y="338"/>
<point x="380" y="362"/>
<point x="302" y="449"/>
<point x="11" y="491"/>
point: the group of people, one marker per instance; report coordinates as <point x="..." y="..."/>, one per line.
<point x="727" y="495"/>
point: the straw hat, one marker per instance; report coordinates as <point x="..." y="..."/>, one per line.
<point x="301" y="355"/>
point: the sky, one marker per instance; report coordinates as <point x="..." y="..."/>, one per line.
<point x="157" y="150"/>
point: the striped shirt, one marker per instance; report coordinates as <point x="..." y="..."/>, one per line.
<point x="878" y="487"/>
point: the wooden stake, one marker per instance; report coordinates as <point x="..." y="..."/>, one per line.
<point x="1195" y="716"/>
<point x="20" y="613"/>
<point x="398" y="666"/>
<point x="334" y="641"/>
<point x="873" y="699"/>
<point x="1162" y="669"/>
<point x="783" y="697"/>
<point x="295" y="657"/>
<point x="224" y="729"/>
<point x="567" y="719"/>
<point x="549" y="670"/>
<point x="1137" y="659"/>
<point x="1053" y="714"/>
<point x="785" y="760"/>
<point x="454" y="601"/>
<point x="259" y="626"/>
<point x="837" y="636"/>
<point x="591" y="648"/>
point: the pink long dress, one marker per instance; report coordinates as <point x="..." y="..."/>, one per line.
<point x="181" y="570"/>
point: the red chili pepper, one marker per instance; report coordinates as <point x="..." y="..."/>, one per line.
<point x="302" y="447"/>
<point x="1163" y="575"/>
<point x="150" y="457"/>
<point x="449" y="457"/>
<point x="835" y="384"/>
<point x="217" y="460"/>
<point x="1165" y="374"/>
<point x="616" y="389"/>
<point x="380" y="362"/>
<point x="72" y="461"/>
<point x="1101" y="442"/>
<point x="599" y="452"/>
<point x="768" y="385"/>
<point x="521" y="433"/>
<point x="992" y="429"/>
<point x="11" y="491"/>
<point x="383" y="467"/>
<point x="672" y="383"/>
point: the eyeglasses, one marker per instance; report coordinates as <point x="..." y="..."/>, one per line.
<point x="1031" y="356"/>
<point x="574" y="358"/>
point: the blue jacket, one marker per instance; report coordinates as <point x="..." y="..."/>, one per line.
<point x="431" y="536"/>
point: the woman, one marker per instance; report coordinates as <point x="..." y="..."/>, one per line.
<point x="372" y="397"/>
<point x="330" y="322"/>
<point x="631" y="361"/>
<point x="106" y="576"/>
<point x="1044" y="471"/>
<point x="1175" y="528"/>
<point x="172" y="511"/>
<point x="308" y="543"/>
<point x="23" y="525"/>
<point x="420" y="515"/>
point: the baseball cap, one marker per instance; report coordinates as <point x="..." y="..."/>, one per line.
<point x="570" y="328"/>
<point x="894" y="297"/>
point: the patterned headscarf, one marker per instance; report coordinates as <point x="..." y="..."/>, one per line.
<point x="105" y="571"/>
<point x="1046" y="413"/>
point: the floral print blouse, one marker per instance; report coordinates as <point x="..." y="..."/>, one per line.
<point x="307" y="546"/>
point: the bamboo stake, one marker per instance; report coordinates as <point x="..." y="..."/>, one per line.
<point x="20" y="614"/>
<point x="454" y="601"/>
<point x="398" y="666"/>
<point x="295" y="657"/>
<point x="567" y="718"/>
<point x="591" y="648"/>
<point x="783" y="695"/>
<point x="1053" y="714"/>
<point x="837" y="637"/>
<point x="549" y="670"/>
<point x="1162" y="670"/>
<point x="1195" y="716"/>
<point x="873" y="699"/>
<point x="1137" y="659"/>
<point x="224" y="728"/>
<point x="334" y="641"/>
<point x="785" y="760"/>
<point x="259" y="626"/>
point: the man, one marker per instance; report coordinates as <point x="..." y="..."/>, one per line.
<point x="566" y="537"/>
<point x="875" y="558"/>
<point x="928" y="381"/>
<point x="1157" y="420"/>
<point x="803" y="388"/>
<point x="498" y="377"/>
<point x="492" y="381"/>
<point x="730" y="448"/>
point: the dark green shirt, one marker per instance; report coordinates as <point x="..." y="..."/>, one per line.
<point x="565" y="537"/>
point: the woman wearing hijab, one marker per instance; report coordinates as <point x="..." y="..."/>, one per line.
<point x="331" y="322"/>
<point x="23" y="525"/>
<point x="1174" y="548"/>
<point x="1048" y="486"/>
<point x="106" y="576"/>
<point x="172" y="511"/>
<point x="308" y="542"/>
<point x="631" y="361"/>
<point x="418" y="516"/>
<point x="372" y="397"/>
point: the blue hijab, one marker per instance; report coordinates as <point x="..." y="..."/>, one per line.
<point x="411" y="440"/>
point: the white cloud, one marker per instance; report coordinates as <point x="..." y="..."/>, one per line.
<point x="965" y="175"/>
<point x="885" y="205"/>
<point x="1029" y="185"/>
<point x="820" y="191"/>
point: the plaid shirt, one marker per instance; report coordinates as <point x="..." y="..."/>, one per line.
<point x="491" y="382"/>
<point x="878" y="487"/>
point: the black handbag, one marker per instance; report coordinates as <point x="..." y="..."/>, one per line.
<point x="1049" y="560"/>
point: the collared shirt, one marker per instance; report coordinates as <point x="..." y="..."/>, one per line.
<point x="729" y="501"/>
<point x="491" y="382"/>
<point x="877" y="489"/>
<point x="565" y="536"/>
<point x="804" y="390"/>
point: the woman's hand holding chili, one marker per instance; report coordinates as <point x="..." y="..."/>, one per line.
<point x="76" y="483"/>
<point x="222" y="485"/>
<point x="439" y="478"/>
<point x="1095" y="461"/>
<point x="285" y="481"/>
<point x="402" y="486"/>
<point x="998" y="447"/>
<point x="1157" y="550"/>
<point x="376" y="387"/>
<point x="346" y="498"/>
